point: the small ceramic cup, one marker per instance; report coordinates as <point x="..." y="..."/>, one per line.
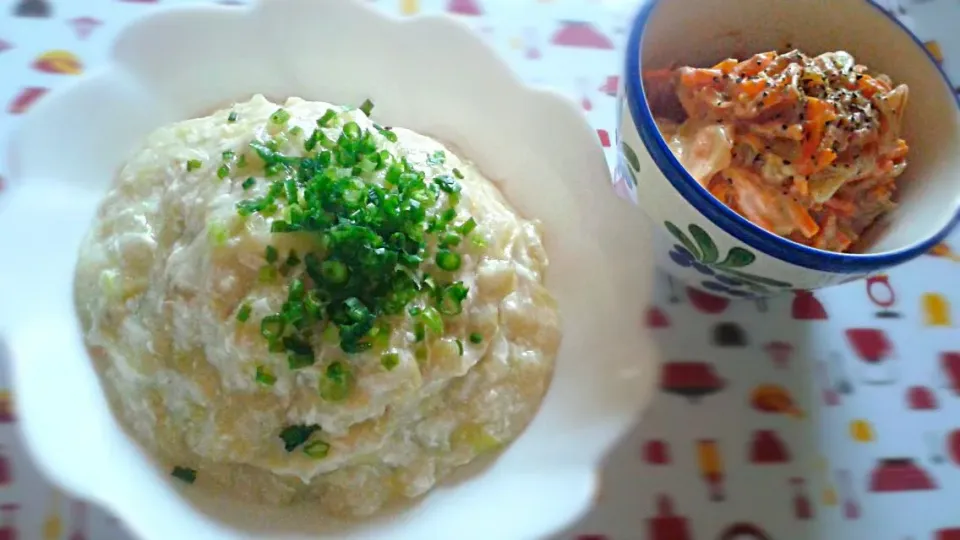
<point x="711" y="247"/>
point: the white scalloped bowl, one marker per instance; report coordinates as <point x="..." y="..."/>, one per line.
<point x="428" y="74"/>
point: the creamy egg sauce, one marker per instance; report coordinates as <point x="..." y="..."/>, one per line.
<point x="181" y="277"/>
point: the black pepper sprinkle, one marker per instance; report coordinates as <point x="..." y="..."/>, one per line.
<point x="786" y="162"/>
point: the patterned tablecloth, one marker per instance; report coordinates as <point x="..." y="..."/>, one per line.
<point x="832" y="416"/>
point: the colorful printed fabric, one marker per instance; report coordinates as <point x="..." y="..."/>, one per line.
<point x="827" y="416"/>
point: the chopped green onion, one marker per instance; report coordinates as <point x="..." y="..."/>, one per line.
<point x="299" y="360"/>
<point x="228" y="155"/>
<point x="296" y="290"/>
<point x="388" y="134"/>
<point x="335" y="384"/>
<point x="267" y="274"/>
<point x="327" y="118"/>
<point x="419" y="331"/>
<point x="232" y="117"/>
<point x="242" y="162"/>
<point x="457" y="173"/>
<point x="194" y="164"/>
<point x="447" y="183"/>
<point x="460" y="347"/>
<point x="476" y="337"/>
<point x="448" y="260"/>
<point x="432" y="320"/>
<point x="248" y="183"/>
<point x="351" y="130"/>
<point x="185" y="474"/>
<point x="264" y="376"/>
<point x="292" y="259"/>
<point x="223" y="172"/>
<point x="451" y="297"/>
<point x="389" y="360"/>
<point x="272" y="326"/>
<point x="271" y="254"/>
<point x="296" y="131"/>
<point x="295" y="435"/>
<point x="367" y="107"/>
<point x="437" y="158"/>
<point x="280" y="117"/>
<point x="316" y="449"/>
<point x="468" y="226"/>
<point x="334" y="272"/>
<point x="450" y="239"/>
<point x="244" y="312"/>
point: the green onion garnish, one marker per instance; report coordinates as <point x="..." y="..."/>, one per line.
<point x="389" y="360"/>
<point x="264" y="376"/>
<point x="228" y="155"/>
<point x="294" y="436"/>
<point x="437" y="158"/>
<point x="280" y="117"/>
<point x="316" y="449"/>
<point x="327" y="118"/>
<point x="244" y="312"/>
<point x="296" y="131"/>
<point x="448" y="260"/>
<point x="458" y="174"/>
<point x="367" y="107"/>
<point x="232" y="117"/>
<point x="351" y="130"/>
<point x="267" y="274"/>
<point x="223" y="171"/>
<point x="271" y="254"/>
<point x="248" y="183"/>
<point x="271" y="326"/>
<point x="476" y="337"/>
<point x="185" y="474"/>
<point x="193" y="165"/>
<point x="447" y="183"/>
<point x="334" y="271"/>
<point x="468" y="226"/>
<point x="335" y="384"/>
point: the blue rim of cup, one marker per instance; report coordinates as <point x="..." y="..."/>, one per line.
<point x="730" y="221"/>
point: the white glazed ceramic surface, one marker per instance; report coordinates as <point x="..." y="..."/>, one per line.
<point x="702" y="32"/>
<point x="431" y="75"/>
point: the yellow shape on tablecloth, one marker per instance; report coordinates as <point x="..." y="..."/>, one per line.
<point x="943" y="250"/>
<point x="409" y="7"/>
<point x="861" y="431"/>
<point x="53" y="523"/>
<point x="935" y="50"/>
<point x="936" y="309"/>
<point x="6" y="406"/>
<point x="829" y="494"/>
<point x="516" y="43"/>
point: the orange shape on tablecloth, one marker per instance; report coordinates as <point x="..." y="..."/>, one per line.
<point x="665" y="525"/>
<point x="6" y="407"/>
<point x="774" y="398"/>
<point x="862" y="431"/>
<point x="943" y="251"/>
<point x="806" y="307"/>
<point x="936" y="309"/>
<point x="53" y="523"/>
<point x="710" y="463"/>
<point x="935" y="51"/>
<point x="409" y="7"/>
<point x="84" y="26"/>
<point x="58" y="62"/>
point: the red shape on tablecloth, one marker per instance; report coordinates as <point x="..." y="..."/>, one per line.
<point x="706" y="302"/>
<point x="802" y="509"/>
<point x="806" y="307"/>
<point x="691" y="379"/>
<point x="656" y="318"/>
<point x="604" y="137"/>
<point x="464" y="7"/>
<point x="871" y="344"/>
<point x="6" y="470"/>
<point x="947" y="534"/>
<point x="79" y="522"/>
<point x="953" y="445"/>
<point x="581" y="34"/>
<point x="8" y="526"/>
<point x="900" y="474"/>
<point x="665" y="525"/>
<point x="611" y="85"/>
<point x="84" y="26"/>
<point x="922" y="398"/>
<point x="950" y="362"/>
<point x="738" y="531"/>
<point x="768" y="448"/>
<point x="593" y="537"/>
<point x="27" y="97"/>
<point x="656" y="452"/>
<point x="779" y="352"/>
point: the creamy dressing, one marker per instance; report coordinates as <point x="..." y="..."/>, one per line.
<point x="169" y="262"/>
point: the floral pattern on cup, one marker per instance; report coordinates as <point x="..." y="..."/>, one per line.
<point x="723" y="275"/>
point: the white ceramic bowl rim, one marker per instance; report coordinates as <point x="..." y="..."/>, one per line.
<point x="727" y="219"/>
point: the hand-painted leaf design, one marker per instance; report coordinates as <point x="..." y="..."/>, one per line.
<point x="708" y="249"/>
<point x="769" y="282"/>
<point x="683" y="239"/>
<point x="737" y="257"/>
<point x="631" y="156"/>
<point x="633" y="177"/>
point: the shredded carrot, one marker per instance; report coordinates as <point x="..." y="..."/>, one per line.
<point x="752" y="87"/>
<point x="804" y="221"/>
<point x="842" y="206"/>
<point x="818" y="113"/>
<point x="870" y="86"/>
<point x="900" y="151"/>
<point x="755" y="65"/>
<point x="726" y="66"/>
<point x="699" y="77"/>
<point x="801" y="185"/>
